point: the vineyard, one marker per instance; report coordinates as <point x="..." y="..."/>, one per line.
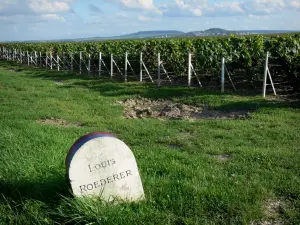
<point x="168" y="60"/>
<point x="203" y="157"/>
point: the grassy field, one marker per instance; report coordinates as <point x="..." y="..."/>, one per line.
<point x="223" y="171"/>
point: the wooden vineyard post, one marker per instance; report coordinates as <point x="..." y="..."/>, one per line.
<point x="141" y="67"/>
<point x="223" y="75"/>
<point x="40" y="59"/>
<point x="111" y="65"/>
<point x="189" y="69"/>
<point x="126" y="66"/>
<point x="158" y="69"/>
<point x="51" y="62"/>
<point x="89" y="64"/>
<point x="57" y="59"/>
<point x="27" y="58"/>
<point x="80" y="62"/>
<point x="265" y="75"/>
<point x="100" y="63"/>
<point x="46" y="60"/>
<point x="35" y="58"/>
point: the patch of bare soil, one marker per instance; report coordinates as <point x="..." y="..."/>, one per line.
<point x="59" y="82"/>
<point x="60" y="122"/>
<point x="14" y="70"/>
<point x="272" y="210"/>
<point x="223" y="157"/>
<point x="166" y="109"/>
<point x="287" y="98"/>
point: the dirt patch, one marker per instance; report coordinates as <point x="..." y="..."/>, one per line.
<point x="273" y="207"/>
<point x="14" y="70"/>
<point x="223" y="157"/>
<point x="60" y="122"/>
<point x="146" y="108"/>
<point x="59" y="82"/>
<point x="272" y="210"/>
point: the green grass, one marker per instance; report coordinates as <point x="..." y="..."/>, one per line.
<point x="186" y="185"/>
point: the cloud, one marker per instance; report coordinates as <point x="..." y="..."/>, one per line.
<point x="30" y="19"/>
<point x="224" y="9"/>
<point x="22" y="12"/>
<point x="261" y="7"/>
<point x="52" y="17"/>
<point x="29" y="7"/>
<point x="146" y="5"/>
<point x="294" y="4"/>
<point x="184" y="8"/>
<point x="42" y="6"/>
<point x="190" y="8"/>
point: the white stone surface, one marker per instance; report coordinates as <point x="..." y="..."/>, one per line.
<point x="105" y="167"/>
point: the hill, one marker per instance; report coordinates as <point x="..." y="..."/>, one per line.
<point x="172" y="33"/>
<point x="222" y="32"/>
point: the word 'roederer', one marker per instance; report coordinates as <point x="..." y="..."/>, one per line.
<point x="103" y="182"/>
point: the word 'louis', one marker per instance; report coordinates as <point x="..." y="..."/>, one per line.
<point x="102" y="165"/>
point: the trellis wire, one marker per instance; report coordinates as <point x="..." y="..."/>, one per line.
<point x="123" y="68"/>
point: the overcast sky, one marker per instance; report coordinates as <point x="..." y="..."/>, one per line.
<point x="57" y="19"/>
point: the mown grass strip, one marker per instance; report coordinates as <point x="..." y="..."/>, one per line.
<point x="186" y="185"/>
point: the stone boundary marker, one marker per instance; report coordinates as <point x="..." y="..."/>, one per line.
<point x="101" y="165"/>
